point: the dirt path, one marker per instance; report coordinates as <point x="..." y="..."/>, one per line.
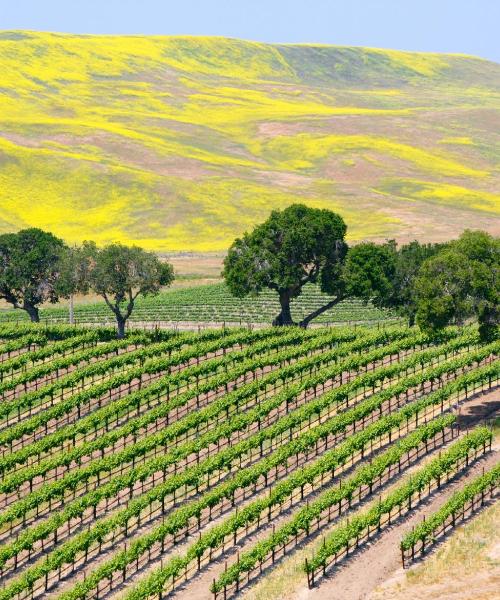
<point x="354" y="580"/>
<point x="479" y="410"/>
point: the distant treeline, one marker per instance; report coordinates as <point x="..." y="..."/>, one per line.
<point x="433" y="285"/>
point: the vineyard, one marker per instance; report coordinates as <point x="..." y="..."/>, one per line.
<point x="190" y="464"/>
<point x="213" y="304"/>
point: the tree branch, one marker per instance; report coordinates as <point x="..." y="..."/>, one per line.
<point x="130" y="306"/>
<point x="105" y="296"/>
<point x="319" y="311"/>
<point x="115" y="309"/>
<point x="10" y="298"/>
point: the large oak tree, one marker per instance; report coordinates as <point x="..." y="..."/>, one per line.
<point x="302" y="245"/>
<point x="30" y="269"/>
<point x="296" y="246"/>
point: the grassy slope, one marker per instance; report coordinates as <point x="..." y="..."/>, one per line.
<point x="179" y="143"/>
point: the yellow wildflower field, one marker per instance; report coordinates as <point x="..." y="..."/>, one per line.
<point x="183" y="143"/>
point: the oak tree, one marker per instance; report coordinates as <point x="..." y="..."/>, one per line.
<point x="119" y="274"/>
<point x="30" y="270"/>
<point x="461" y="282"/>
<point x="293" y="247"/>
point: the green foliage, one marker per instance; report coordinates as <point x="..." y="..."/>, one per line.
<point x="408" y="260"/>
<point x="369" y="272"/>
<point x="293" y="247"/>
<point x="445" y="463"/>
<point x="30" y="263"/>
<point x="198" y="418"/>
<point x="305" y="360"/>
<point x="301" y="245"/>
<point x="364" y="475"/>
<point x="460" y="282"/>
<point x="154" y="583"/>
<point x="159" y="360"/>
<point x="424" y="532"/>
<point x="120" y="274"/>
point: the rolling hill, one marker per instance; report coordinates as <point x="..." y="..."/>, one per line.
<point x="180" y="143"/>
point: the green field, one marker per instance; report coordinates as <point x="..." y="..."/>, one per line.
<point x="213" y="304"/>
<point x="182" y="143"/>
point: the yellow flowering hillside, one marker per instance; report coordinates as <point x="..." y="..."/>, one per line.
<point x="181" y="143"/>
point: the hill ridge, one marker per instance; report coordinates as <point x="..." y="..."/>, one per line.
<point x="179" y="147"/>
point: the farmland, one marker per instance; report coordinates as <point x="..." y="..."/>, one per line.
<point x="195" y="463"/>
<point x="249" y="317"/>
<point x="212" y="304"/>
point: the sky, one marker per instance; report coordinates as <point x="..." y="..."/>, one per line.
<point x="462" y="26"/>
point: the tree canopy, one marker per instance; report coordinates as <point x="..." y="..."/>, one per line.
<point x="301" y="245"/>
<point x="293" y="247"/>
<point x="407" y="261"/>
<point x="460" y="282"/>
<point x="30" y="269"/>
<point x="119" y="274"/>
<point x="432" y="284"/>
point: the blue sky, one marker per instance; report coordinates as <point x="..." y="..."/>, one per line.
<point x="465" y="26"/>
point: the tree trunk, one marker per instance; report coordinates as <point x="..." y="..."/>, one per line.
<point x="71" y="310"/>
<point x="120" y="321"/>
<point x="33" y="312"/>
<point x="411" y="319"/>
<point x="305" y="322"/>
<point x="285" y="316"/>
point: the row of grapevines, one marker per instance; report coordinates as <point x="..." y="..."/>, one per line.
<point x="43" y="374"/>
<point x="302" y="520"/>
<point x="100" y="368"/>
<point x="26" y="342"/>
<point x="130" y="454"/>
<point x="211" y="438"/>
<point x="192" y="421"/>
<point x="105" y="491"/>
<point x="425" y="530"/>
<point x="215" y="537"/>
<point x="71" y="345"/>
<point x="163" y="387"/>
<point x="180" y="517"/>
<point x="111" y="348"/>
<point x="55" y="333"/>
<point x="40" y="337"/>
<point x="152" y="443"/>
<point x="147" y="367"/>
<point x="100" y="417"/>
<point x="433" y="471"/>
<point x="106" y="413"/>
<point x="178" y="520"/>
<point x="163" y="438"/>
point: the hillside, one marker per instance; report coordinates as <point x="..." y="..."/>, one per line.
<point x="180" y="143"/>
